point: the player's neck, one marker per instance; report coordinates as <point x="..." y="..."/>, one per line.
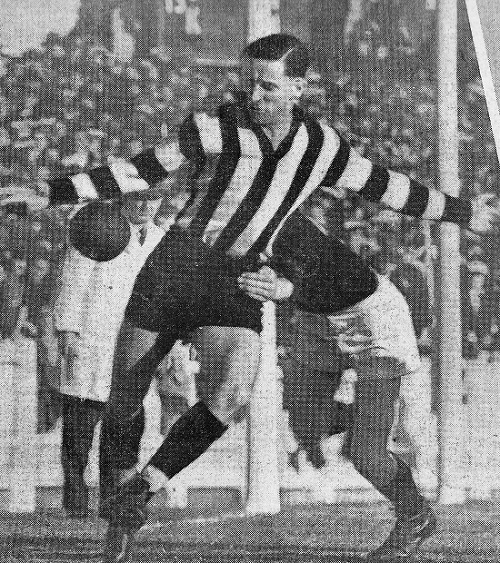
<point x="276" y="133"/>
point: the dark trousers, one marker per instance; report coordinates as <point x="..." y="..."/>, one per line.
<point x="79" y="418"/>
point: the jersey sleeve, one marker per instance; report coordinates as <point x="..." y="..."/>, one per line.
<point x="121" y="177"/>
<point x="198" y="136"/>
<point x="351" y="171"/>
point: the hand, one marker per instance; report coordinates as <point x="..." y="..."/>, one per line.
<point x="69" y="342"/>
<point x="265" y="285"/>
<point x="127" y="177"/>
<point x="485" y="214"/>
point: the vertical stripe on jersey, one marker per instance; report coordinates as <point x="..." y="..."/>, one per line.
<point x="228" y="160"/>
<point x="316" y="138"/>
<point x="243" y="177"/>
<point x="338" y="164"/>
<point x="250" y="203"/>
<point x="244" y="216"/>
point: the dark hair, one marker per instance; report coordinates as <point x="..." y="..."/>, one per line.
<point x="281" y="46"/>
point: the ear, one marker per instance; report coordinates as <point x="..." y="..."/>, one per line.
<point x="298" y="87"/>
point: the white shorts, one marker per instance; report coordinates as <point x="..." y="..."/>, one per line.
<point x="378" y="333"/>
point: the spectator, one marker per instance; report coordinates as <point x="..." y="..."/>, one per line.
<point x="89" y="312"/>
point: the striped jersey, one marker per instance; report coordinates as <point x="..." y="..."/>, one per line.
<point x="253" y="188"/>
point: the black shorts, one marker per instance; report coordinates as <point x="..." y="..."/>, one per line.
<point x="184" y="285"/>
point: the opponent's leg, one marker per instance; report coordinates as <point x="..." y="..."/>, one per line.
<point x="366" y="446"/>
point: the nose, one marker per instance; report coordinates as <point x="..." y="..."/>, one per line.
<point x="256" y="93"/>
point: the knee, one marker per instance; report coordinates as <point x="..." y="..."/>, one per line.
<point x="228" y="404"/>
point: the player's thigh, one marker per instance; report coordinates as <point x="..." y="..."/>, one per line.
<point x="228" y="356"/>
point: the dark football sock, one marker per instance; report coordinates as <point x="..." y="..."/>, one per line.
<point x="188" y="438"/>
<point x="408" y="501"/>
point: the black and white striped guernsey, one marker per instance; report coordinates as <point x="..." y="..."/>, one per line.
<point x="254" y="188"/>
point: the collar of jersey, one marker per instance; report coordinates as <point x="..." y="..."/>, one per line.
<point x="265" y="143"/>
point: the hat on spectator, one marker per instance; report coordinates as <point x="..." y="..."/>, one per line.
<point x="149" y="194"/>
<point x="478" y="267"/>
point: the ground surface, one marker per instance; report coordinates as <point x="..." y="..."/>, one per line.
<point x="338" y="533"/>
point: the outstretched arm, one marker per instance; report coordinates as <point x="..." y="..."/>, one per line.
<point x="351" y="171"/>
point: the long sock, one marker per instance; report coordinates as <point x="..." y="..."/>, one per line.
<point x="188" y="438"/>
<point x="406" y="497"/>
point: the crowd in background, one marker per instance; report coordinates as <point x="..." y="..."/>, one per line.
<point x="72" y="105"/>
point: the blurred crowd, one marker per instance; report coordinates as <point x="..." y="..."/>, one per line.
<point x="72" y="105"/>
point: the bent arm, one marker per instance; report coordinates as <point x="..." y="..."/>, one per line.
<point x="110" y="182"/>
<point x="198" y="136"/>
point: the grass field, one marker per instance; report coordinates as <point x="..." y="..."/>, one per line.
<point x="337" y="533"/>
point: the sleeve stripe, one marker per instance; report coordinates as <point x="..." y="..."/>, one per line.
<point x="62" y="191"/>
<point x="169" y="157"/>
<point x="435" y="206"/>
<point x="398" y="188"/>
<point x="418" y="199"/>
<point x="457" y="210"/>
<point x="209" y="132"/>
<point x="149" y="167"/>
<point x="84" y="186"/>
<point x="376" y="185"/>
<point x="356" y="173"/>
<point x="190" y="144"/>
<point x="105" y="182"/>
<point x="338" y="165"/>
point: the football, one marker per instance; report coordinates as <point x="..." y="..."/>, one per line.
<point x="99" y="231"/>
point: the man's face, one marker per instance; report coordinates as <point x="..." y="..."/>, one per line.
<point x="140" y="211"/>
<point x="39" y="270"/>
<point x="271" y="94"/>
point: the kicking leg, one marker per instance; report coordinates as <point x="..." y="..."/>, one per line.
<point x="229" y="360"/>
<point x="232" y="356"/>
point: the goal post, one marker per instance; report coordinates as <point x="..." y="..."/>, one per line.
<point x="263" y="485"/>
